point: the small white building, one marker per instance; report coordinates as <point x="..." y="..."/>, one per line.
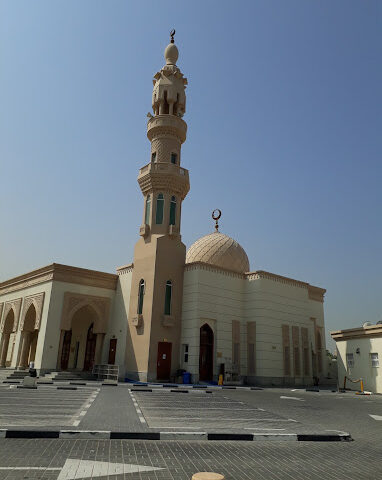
<point x="359" y="353"/>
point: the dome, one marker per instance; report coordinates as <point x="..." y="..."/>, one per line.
<point x="171" y="54"/>
<point x="219" y="250"/>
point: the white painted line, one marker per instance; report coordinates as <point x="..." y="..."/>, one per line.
<point x="206" y="408"/>
<point x="338" y="431"/>
<point x="142" y="419"/>
<point x="33" y="415"/>
<point x="76" y="423"/>
<point x="30" y="468"/>
<point x="83" y="413"/>
<point x="186" y="428"/>
<point x="225" y="418"/>
<point x="256" y="428"/>
<point x="292" y="398"/>
<point x="376" y="417"/>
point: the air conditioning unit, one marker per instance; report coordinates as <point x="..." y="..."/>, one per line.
<point x="144" y="230"/>
<point x="173" y="230"/>
<point x="137" y="321"/>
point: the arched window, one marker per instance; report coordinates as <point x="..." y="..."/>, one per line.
<point x="141" y="293"/>
<point x="174" y="158"/>
<point x="154" y="157"/>
<point x="147" y="212"/>
<point x="172" y="210"/>
<point x="159" y="213"/>
<point x="167" y="298"/>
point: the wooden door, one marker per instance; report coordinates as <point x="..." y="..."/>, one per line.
<point x="66" y="349"/>
<point x="164" y="360"/>
<point x="90" y="349"/>
<point x="112" y="350"/>
<point x="206" y="353"/>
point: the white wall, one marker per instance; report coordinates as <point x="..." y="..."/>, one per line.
<point x="213" y="297"/>
<point x="372" y="376"/>
<point x="271" y="304"/>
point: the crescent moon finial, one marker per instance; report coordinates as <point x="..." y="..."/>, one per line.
<point x="172" y="33"/>
<point x="216" y="214"/>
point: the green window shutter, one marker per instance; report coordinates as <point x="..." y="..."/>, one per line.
<point x="159" y="212"/>
<point x="167" y="300"/>
<point x="148" y="205"/>
<point x="141" y="293"/>
<point x="172" y="211"/>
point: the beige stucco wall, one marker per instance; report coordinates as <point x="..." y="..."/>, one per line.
<point x="53" y="330"/>
<point x="45" y="288"/>
<point x="372" y="376"/>
<point x="119" y="320"/>
<point x="216" y="297"/>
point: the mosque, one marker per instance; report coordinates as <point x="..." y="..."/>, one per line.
<point x="202" y="310"/>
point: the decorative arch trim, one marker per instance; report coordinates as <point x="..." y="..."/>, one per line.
<point x="75" y="301"/>
<point x="14" y="305"/>
<point x="38" y="302"/>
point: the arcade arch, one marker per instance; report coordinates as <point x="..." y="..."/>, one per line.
<point x="81" y="339"/>
<point x="5" y="343"/>
<point x="29" y="336"/>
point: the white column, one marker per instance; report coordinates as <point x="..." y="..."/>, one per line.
<point x="25" y="343"/>
<point x="98" y="350"/>
<point x="4" y="348"/>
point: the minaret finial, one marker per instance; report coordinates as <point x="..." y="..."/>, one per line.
<point x="216" y="214"/>
<point x="172" y="33"/>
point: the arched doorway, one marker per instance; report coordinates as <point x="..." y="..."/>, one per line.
<point x="7" y="340"/>
<point x="90" y="349"/>
<point x="66" y="349"/>
<point x="79" y="342"/>
<point x="29" y="337"/>
<point x="206" y="353"/>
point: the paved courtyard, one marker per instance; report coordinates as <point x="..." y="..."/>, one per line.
<point x="45" y="406"/>
<point x="149" y="460"/>
<point x="208" y="411"/>
<point x="126" y="408"/>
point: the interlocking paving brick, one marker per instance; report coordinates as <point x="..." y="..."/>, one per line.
<point x="180" y="460"/>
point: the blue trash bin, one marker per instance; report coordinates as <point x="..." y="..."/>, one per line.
<point x="186" y="377"/>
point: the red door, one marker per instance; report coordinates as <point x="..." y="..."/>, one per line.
<point x="164" y="360"/>
<point x="66" y="349"/>
<point x="112" y="350"/>
<point x="90" y="349"/>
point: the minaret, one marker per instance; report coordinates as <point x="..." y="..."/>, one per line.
<point x="159" y="256"/>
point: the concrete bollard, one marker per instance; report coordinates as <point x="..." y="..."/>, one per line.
<point x="207" y="476"/>
<point x="29" y="382"/>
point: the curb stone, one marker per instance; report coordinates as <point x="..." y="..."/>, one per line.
<point x="107" y="435"/>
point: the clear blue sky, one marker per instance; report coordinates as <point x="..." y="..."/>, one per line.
<point x="284" y="114"/>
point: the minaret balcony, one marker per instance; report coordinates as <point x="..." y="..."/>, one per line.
<point x="164" y="176"/>
<point x="166" y="125"/>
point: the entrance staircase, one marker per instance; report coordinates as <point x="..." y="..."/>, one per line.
<point x="69" y="376"/>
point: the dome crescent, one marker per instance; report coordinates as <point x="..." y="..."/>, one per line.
<point x="219" y="250"/>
